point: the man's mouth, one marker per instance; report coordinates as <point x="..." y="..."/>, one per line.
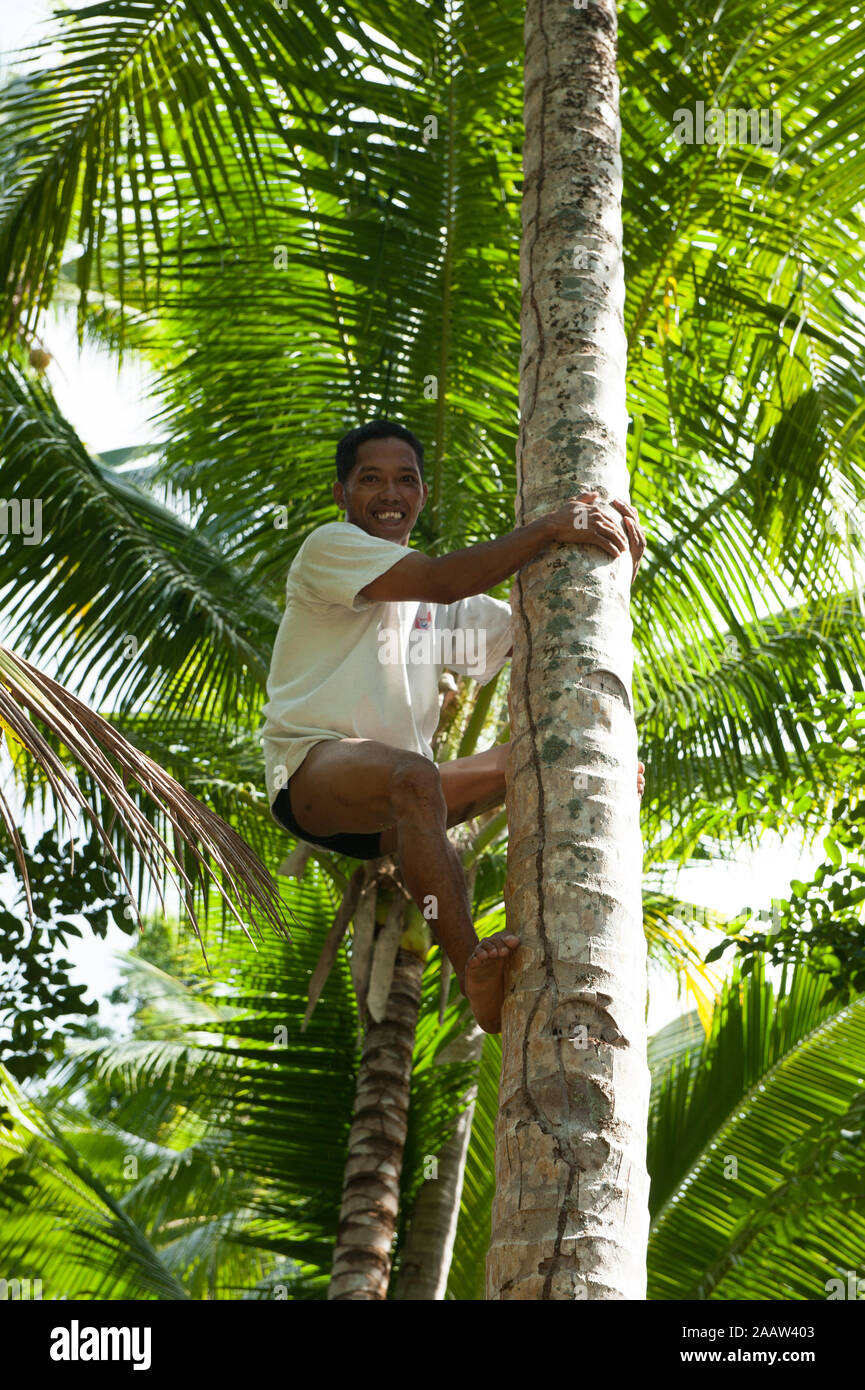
<point x="390" y="516"/>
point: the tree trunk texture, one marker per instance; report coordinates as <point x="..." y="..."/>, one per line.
<point x="570" y="1215"/>
<point x="370" y="1199"/>
<point x="429" y="1246"/>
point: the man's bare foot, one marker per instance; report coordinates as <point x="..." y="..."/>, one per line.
<point x="485" y="978"/>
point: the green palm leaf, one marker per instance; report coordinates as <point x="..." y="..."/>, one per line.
<point x="142" y="601"/>
<point x="94" y="743"/>
<point x="740" y="1132"/>
<point x="46" y="1187"/>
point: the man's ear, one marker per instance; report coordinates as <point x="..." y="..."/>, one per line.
<point x="339" y="495"/>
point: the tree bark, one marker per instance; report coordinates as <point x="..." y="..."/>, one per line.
<point x="429" y="1246"/>
<point x="362" y="1258"/>
<point x="570" y="1215"/>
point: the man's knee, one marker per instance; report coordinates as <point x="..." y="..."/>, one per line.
<point x="415" y="785"/>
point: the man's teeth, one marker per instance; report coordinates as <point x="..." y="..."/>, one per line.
<point x="388" y="516"/>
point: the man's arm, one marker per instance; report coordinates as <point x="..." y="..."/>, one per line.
<point x="448" y="578"/>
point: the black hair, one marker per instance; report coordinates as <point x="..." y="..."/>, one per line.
<point x="346" y="449"/>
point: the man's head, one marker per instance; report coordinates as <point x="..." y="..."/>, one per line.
<point x="380" y="484"/>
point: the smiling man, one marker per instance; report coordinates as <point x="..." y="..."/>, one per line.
<point x="353" y="705"/>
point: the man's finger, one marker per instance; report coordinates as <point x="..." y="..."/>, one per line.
<point x="601" y="525"/>
<point x="615" y="535"/>
<point x="639" y="536"/>
<point x="609" y="540"/>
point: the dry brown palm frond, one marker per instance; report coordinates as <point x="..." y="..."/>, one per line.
<point x="90" y="739"/>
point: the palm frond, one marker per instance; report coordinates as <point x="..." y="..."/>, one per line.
<point x="46" y="1187"/>
<point x="94" y="743"/>
<point x="738" y="1131"/>
<point x="142" y="601"/>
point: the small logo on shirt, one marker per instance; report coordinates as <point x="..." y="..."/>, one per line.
<point x="424" y="618"/>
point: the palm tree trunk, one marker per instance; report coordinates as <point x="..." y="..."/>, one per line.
<point x="426" y="1260"/>
<point x="570" y="1215"/>
<point x="372" y="1177"/>
<point x="370" y="1198"/>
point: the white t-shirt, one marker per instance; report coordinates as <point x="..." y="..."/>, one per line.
<point x="344" y="666"/>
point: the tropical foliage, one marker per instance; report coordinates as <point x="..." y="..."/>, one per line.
<point x="302" y="216"/>
<point x="199" y="1161"/>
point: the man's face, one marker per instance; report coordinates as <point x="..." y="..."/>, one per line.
<point x="383" y="493"/>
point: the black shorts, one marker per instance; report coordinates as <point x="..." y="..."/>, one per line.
<point x="357" y="846"/>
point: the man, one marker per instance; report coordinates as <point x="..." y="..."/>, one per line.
<point x="353" y="686"/>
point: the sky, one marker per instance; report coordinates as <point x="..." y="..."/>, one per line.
<point x="110" y="410"/>
<point x="108" y="407"/>
<point x="20" y="22"/>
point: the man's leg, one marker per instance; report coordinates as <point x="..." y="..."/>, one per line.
<point x="362" y="785"/>
<point x="470" y="785"/>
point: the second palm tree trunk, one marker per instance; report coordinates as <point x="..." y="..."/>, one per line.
<point x="570" y="1216"/>
<point x="429" y="1245"/>
<point x="370" y="1198"/>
